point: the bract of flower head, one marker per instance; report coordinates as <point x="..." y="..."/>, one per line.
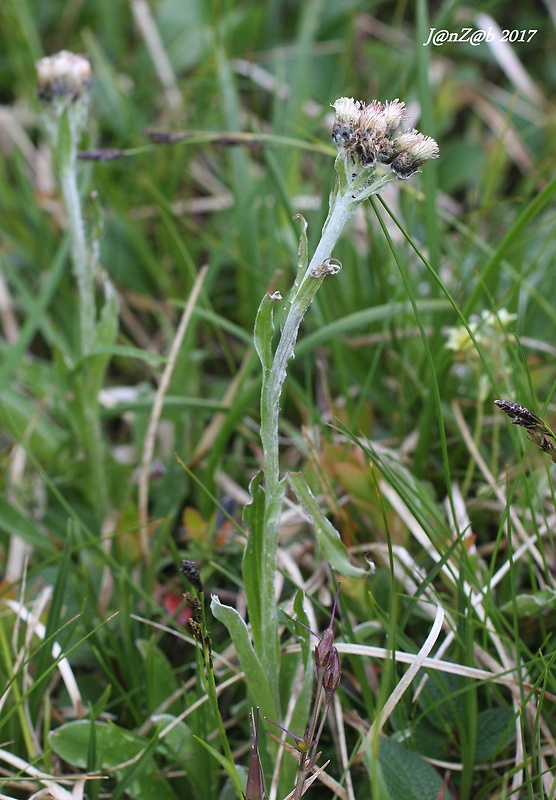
<point x="411" y="150"/>
<point x="348" y="113"/>
<point x="64" y="75"/>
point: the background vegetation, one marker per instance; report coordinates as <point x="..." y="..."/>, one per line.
<point x="396" y="431"/>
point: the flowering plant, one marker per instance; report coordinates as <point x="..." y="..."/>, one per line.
<point x="363" y="135"/>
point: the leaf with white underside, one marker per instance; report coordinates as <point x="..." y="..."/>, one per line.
<point x="250" y="664"/>
<point x="332" y="547"/>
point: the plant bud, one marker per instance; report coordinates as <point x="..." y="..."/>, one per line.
<point x="325" y="646"/>
<point x="332" y="676"/>
<point x="411" y="150"/>
<point x="64" y="76"/>
<point x="348" y="113"/>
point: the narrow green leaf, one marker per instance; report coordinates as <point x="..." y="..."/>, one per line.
<point x="124" y="352"/>
<point x="302" y="709"/>
<point x="34" y="313"/>
<point x="532" y="605"/>
<point x="303" y="635"/>
<point x="236" y="776"/>
<point x="333" y="549"/>
<point x="108" y="324"/>
<point x="106" y="331"/>
<point x="253" y="516"/>
<point x="264" y="330"/>
<point x="14" y="523"/>
<point x="259" y="571"/>
<point x="160" y="681"/>
<point x="255" y="675"/>
<point x="495" y="731"/>
<point x="302" y="262"/>
<point x="531" y="208"/>
<point x="22" y="419"/>
<point x="263" y="558"/>
<point x="54" y="620"/>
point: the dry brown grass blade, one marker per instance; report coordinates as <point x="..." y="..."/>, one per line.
<point x="144" y="20"/>
<point x="150" y="436"/>
<point x="214" y="427"/>
<point x="404" y="683"/>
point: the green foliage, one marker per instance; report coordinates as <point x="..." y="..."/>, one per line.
<point x="113" y="745"/>
<point x="406" y="775"/>
<point x="333" y="549"/>
<point x="247" y="657"/>
<point x="388" y="431"/>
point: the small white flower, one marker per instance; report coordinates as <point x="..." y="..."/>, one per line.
<point x="499" y="321"/>
<point x="459" y="339"/>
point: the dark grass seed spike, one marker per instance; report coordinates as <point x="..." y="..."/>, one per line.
<point x="537" y="430"/>
<point x="520" y="415"/>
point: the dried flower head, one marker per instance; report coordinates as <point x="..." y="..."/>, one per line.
<point x="373" y="131"/>
<point x="537" y="429"/>
<point x="373" y="119"/>
<point x="394" y="114"/>
<point x="411" y="150"/>
<point x="348" y="113"/>
<point x="190" y="571"/>
<point x="63" y="83"/>
<point x="65" y="75"/>
<point x="364" y="133"/>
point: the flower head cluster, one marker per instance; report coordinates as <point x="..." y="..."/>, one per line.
<point x="65" y="75"/>
<point x="63" y="83"/>
<point x="364" y="131"/>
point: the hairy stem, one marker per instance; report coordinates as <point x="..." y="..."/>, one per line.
<point x="343" y="208"/>
<point x="82" y="268"/>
